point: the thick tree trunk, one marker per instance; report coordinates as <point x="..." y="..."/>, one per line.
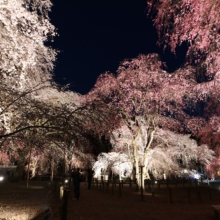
<point x="19" y="173"/>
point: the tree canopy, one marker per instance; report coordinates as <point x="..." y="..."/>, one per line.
<point x="142" y="114"/>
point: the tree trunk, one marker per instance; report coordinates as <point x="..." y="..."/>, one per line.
<point x="137" y="173"/>
<point x="28" y="169"/>
<point x="52" y="168"/>
<point x="19" y="173"/>
<point x="64" y="164"/>
<point x="136" y="165"/>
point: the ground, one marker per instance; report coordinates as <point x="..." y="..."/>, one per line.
<point x="180" y="201"/>
<point x="19" y="202"/>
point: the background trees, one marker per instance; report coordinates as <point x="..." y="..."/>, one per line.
<point x="142" y="110"/>
<point x="31" y="104"/>
<point x="25" y="27"/>
<point x="25" y="62"/>
<point x="193" y="23"/>
<point x="148" y="98"/>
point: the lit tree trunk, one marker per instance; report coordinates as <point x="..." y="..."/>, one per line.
<point x="52" y="168"/>
<point x="64" y="158"/>
<point x="28" y="169"/>
<point x="145" y="170"/>
<point x="146" y="152"/>
<point x="136" y="160"/>
<point x="64" y="163"/>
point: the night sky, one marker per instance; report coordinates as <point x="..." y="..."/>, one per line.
<point x="94" y="36"/>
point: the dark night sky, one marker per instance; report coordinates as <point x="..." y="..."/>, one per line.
<point x="94" y="36"/>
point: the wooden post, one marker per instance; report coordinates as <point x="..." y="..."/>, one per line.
<point x="102" y="184"/>
<point x="65" y="205"/>
<point x="61" y="192"/>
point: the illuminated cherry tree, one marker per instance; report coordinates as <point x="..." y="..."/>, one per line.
<point x="25" y="27"/>
<point x="143" y="109"/>
<point x="148" y="98"/>
<point x="25" y="62"/>
<point x="197" y="25"/>
<point x="168" y="154"/>
<point x="193" y="22"/>
<point x="119" y="163"/>
<point x="32" y="105"/>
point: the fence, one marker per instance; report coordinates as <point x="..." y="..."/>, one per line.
<point x="175" y="190"/>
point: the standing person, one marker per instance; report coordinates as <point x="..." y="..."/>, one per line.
<point x="76" y="183"/>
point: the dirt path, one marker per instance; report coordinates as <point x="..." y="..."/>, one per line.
<point x="19" y="203"/>
<point x="96" y="204"/>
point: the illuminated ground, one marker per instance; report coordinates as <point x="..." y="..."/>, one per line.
<point x="19" y="203"/>
<point x="96" y="204"/>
